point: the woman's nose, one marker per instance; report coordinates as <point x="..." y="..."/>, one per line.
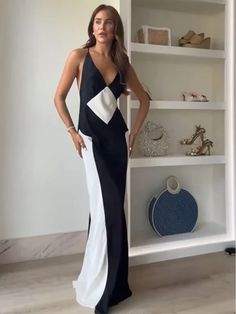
<point x="102" y="25"/>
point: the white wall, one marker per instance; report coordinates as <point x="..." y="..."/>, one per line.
<point x="42" y="179"/>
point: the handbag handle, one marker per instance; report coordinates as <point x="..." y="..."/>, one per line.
<point x="173" y="181"/>
<point x="153" y="134"/>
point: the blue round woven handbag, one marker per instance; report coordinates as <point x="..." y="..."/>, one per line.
<point x="173" y="211"/>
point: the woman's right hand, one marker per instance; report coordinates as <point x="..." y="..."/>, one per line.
<point x="78" y="142"/>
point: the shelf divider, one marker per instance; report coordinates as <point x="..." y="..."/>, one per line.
<point x="140" y="162"/>
<point x="177" y="51"/>
<point x="146" y="242"/>
<point x="175" y="104"/>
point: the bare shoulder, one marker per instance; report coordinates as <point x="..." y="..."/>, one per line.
<point x="78" y="54"/>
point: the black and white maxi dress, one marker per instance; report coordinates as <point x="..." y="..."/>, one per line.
<point x="103" y="280"/>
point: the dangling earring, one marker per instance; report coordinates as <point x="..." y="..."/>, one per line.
<point x="92" y="37"/>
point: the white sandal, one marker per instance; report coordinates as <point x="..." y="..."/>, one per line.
<point x="191" y="96"/>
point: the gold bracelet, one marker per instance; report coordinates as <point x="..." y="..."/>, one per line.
<point x="70" y="127"/>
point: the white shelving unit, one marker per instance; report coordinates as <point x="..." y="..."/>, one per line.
<point x="165" y="104"/>
<point x="177" y="51"/>
<point x="168" y="71"/>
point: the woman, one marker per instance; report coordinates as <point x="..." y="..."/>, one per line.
<point x="103" y="73"/>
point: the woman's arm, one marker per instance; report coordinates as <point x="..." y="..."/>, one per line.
<point x="70" y="72"/>
<point x="134" y="84"/>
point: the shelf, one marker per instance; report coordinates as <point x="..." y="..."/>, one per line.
<point x="147" y="242"/>
<point x="176" y="161"/>
<point x="168" y="71"/>
<point x="166" y="104"/>
<point x="177" y="51"/>
<point x="208" y="7"/>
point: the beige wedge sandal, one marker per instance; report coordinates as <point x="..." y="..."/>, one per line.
<point x="191" y="37"/>
<point x="204" y="43"/>
<point x="184" y="39"/>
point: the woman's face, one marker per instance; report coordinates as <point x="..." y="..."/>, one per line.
<point x="103" y="26"/>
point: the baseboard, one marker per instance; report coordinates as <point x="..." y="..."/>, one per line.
<point x="45" y="246"/>
<point x="38" y="247"/>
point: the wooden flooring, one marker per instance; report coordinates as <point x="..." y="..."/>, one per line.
<point x="203" y="284"/>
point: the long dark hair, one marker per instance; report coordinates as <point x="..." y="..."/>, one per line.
<point x="118" y="51"/>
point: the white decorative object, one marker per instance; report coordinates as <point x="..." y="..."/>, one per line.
<point x="153" y="140"/>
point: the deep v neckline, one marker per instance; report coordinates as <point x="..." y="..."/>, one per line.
<point x="99" y="72"/>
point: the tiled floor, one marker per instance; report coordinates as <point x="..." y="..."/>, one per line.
<point x="201" y="284"/>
